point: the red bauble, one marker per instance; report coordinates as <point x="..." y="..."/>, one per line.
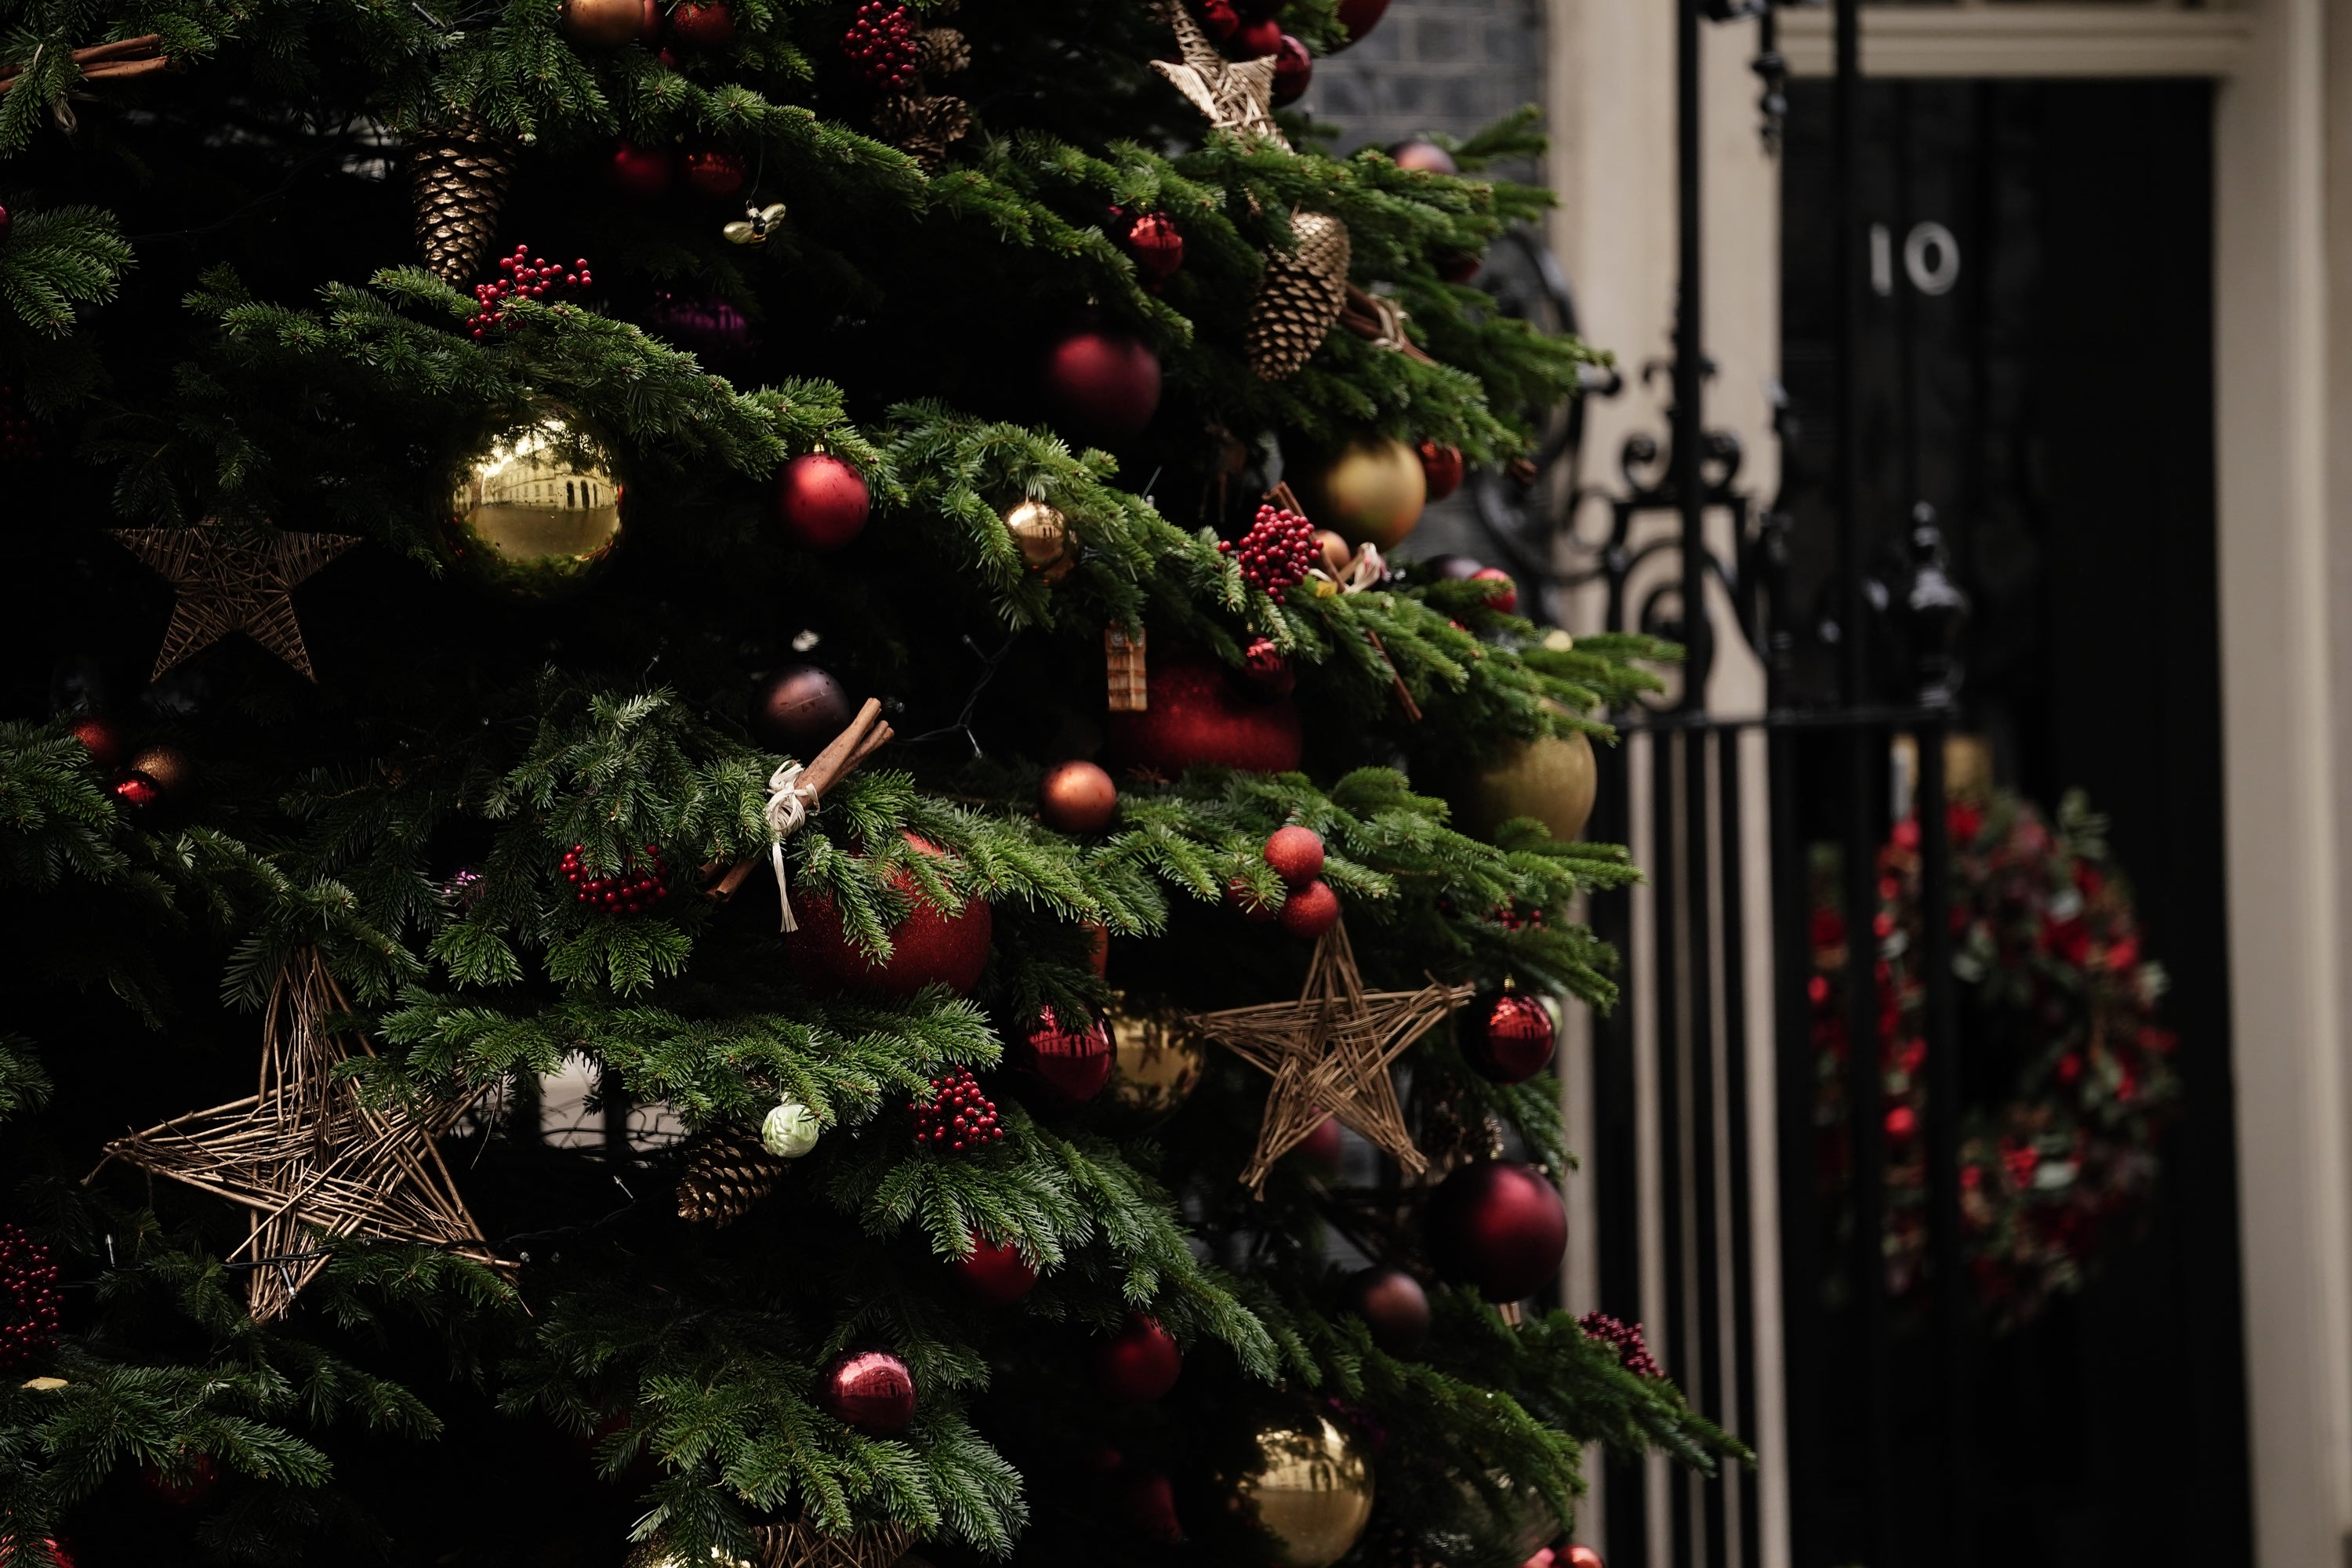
<point x="715" y="172"/>
<point x="5" y="223"/>
<point x="798" y="708"/>
<point x="1360" y="17"/>
<point x="1147" y="1500"/>
<point x="185" y="1490"/>
<point x="1104" y="386"/>
<point x="1322" y="1147"/>
<point x="1072" y="1063"/>
<point x="1310" y="910"/>
<point x="1507" y="1036"/>
<point x="1141" y="1361"/>
<point x="1498" y="1227"/>
<point x="1295" y="854"/>
<point x="101" y="738"/>
<point x="1580" y="1557"/>
<point x="929" y="946"/>
<point x="1157" y="245"/>
<point x="1220" y="18"/>
<point x="1259" y="39"/>
<point x="870" y="1390"/>
<point x="1098" y="948"/>
<point x="822" y="501"/>
<point x="710" y="24"/>
<point x="1506" y="602"/>
<point x="1241" y="896"/>
<point x="1197" y="717"/>
<point x="1424" y="155"/>
<point x="1294" y="67"/>
<point x="137" y="792"/>
<point x="155" y="777"/>
<point x="1077" y="797"/>
<point x="1441" y="469"/>
<point x="998" y="1274"/>
<point x="1460" y="265"/>
<point x="643" y="172"/>
<point x="1394" y="1308"/>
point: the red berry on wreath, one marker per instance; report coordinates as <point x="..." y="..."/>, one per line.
<point x="1294" y="67"/>
<point x="957" y="1116"/>
<point x="1633" y="1354"/>
<point x="1141" y="1361"/>
<point x="29" y="1298"/>
<point x="642" y="171"/>
<point x="715" y="172"/>
<point x="1157" y="244"/>
<point x="1311" y="911"/>
<point x="1277" y="553"/>
<point x="704" y="24"/>
<point x="1507" y="1036"/>
<point x="824" y="502"/>
<point x="1295" y="854"/>
<point x="636" y="887"/>
<point x="996" y="1274"/>
<point x="886" y="43"/>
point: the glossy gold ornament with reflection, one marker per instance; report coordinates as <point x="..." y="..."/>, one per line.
<point x="1553" y="779"/>
<point x="1372" y="491"/>
<point x="1311" y="1491"/>
<point x="536" y="505"/>
<point x="1156" y="1062"/>
<point x="1047" y="546"/>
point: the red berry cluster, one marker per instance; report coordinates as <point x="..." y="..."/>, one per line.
<point x="886" y="44"/>
<point x="957" y="1116"/>
<point x="527" y="278"/>
<point x="1633" y="1354"/>
<point x="1509" y="917"/>
<point x="29" y="1297"/>
<point x="638" y="885"/>
<point x="1277" y="551"/>
<point x="18" y="441"/>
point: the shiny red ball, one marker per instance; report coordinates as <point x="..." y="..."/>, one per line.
<point x="1323" y="1146"/>
<point x="643" y="171"/>
<point x="1294" y="67"/>
<point x="1157" y="245"/>
<point x="1198" y="716"/>
<point x="1295" y="854"/>
<point x="1394" y="1308"/>
<point x="715" y="172"/>
<point x="136" y="791"/>
<point x="1103" y="386"/>
<point x="1259" y="39"/>
<point x="1310" y="910"/>
<point x="1506" y="602"/>
<point x="822" y="501"/>
<point x="1498" y="1227"/>
<point x="798" y="709"/>
<point x="996" y="1274"/>
<point x="870" y="1390"/>
<point x="1424" y="155"/>
<point x="1507" y="1036"/>
<point x="1220" y="18"/>
<point x="101" y="738"/>
<point x="1077" y="797"/>
<point x="1360" y="17"/>
<point x="928" y="947"/>
<point x="5" y="223"/>
<point x="1141" y="1361"/>
<point x="708" y="24"/>
<point x="1441" y="469"/>
<point x="1070" y="1062"/>
<point x="1146" y="1499"/>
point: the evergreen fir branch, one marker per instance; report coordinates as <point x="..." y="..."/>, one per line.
<point x="58" y="260"/>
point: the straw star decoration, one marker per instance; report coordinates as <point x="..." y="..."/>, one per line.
<point x="1329" y="1052"/>
<point x="1236" y="96"/>
<point x="233" y="579"/>
<point x="308" y="1156"/>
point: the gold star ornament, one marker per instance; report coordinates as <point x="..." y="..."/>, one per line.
<point x="232" y="578"/>
<point x="1330" y="1053"/>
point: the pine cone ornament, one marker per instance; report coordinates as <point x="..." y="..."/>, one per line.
<point x="1300" y="299"/>
<point x="458" y="172"/>
<point x="924" y="126"/>
<point x="726" y="1173"/>
<point x="944" y="51"/>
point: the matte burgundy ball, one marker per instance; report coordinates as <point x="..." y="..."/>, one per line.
<point x="1504" y="602"/>
<point x="1199" y="716"/>
<point x="1507" y="1036"/>
<point x="1077" y="797"/>
<point x="1442" y="468"/>
<point x="1393" y="1306"/>
<point x="101" y="738"/>
<point x="1295" y="854"/>
<point x="928" y="947"/>
<point x="710" y="24"/>
<point x="1104" y="386"/>
<point x="1259" y="39"/>
<point x="1310" y="910"/>
<point x="1146" y="1499"/>
<point x="870" y="1390"/>
<point x="643" y="172"/>
<point x="715" y="172"/>
<point x="1323" y="1146"/>
<point x="822" y="501"/>
<point x="1360" y="17"/>
<point x="799" y="709"/>
<point x="1424" y="155"/>
<point x="1294" y="67"/>
<point x="5" y="222"/>
<point x="1460" y="265"/>
<point x="1071" y="1062"/>
<point x="1141" y="1361"/>
<point x="997" y="1274"/>
<point x="1498" y="1227"/>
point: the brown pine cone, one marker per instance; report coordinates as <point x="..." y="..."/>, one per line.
<point x="943" y="52"/>
<point x="924" y="126"/>
<point x="726" y="1173"/>
<point x="1300" y="298"/>
<point x="459" y="172"/>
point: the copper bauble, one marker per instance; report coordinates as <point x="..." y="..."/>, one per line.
<point x="1047" y="546"/>
<point x="167" y="768"/>
<point x="1141" y="1361"/>
<point x="1156" y="1063"/>
<point x="1507" y="1035"/>
<point x="1295" y="854"/>
<point x="870" y="1390"/>
<point x="997" y="1274"/>
<point x="1496" y="1226"/>
<point x="534" y="506"/>
<point x="1077" y="797"/>
<point x="1199" y="715"/>
<point x="610" y="24"/>
<point x="1311" y="1491"/>
<point x="798" y="709"/>
<point x="1104" y="386"/>
<point x="1370" y="492"/>
<point x="1068" y="1061"/>
<point x="930" y="946"/>
<point x="1336" y="551"/>
<point x="1394" y="1308"/>
<point x="1552" y="779"/>
<point x="822" y="501"/>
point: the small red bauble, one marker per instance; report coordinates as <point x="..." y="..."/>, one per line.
<point x="822" y="501"/>
<point x="1259" y="39"/>
<point x="798" y="708"/>
<point x="101" y="739"/>
<point x="1394" y="1308"/>
<point x="870" y="1390"/>
<point x="1077" y="797"/>
<point x="1148" y="1501"/>
<point x="1506" y="602"/>
<point x="928" y="947"/>
<point x="1072" y="1063"/>
<point x="638" y="887"/>
<point x="1141" y="1361"/>
<point x="643" y="172"/>
<point x="1220" y="18"/>
<point x="957" y="1116"/>
<point x="136" y="791"/>
<point x="715" y="172"/>
<point x="1295" y="854"/>
<point x="1243" y="896"/>
<point x="1425" y="157"/>
<point x="1098" y="948"/>
<point x="1310" y="910"/>
<point x="1441" y="469"/>
<point x="710" y="24"/>
<point x="1294" y="67"/>
<point x="1323" y="1146"/>
<point x="154" y="777"/>
<point x="1507" y="1036"/>
<point x="1498" y="1227"/>
<point x="1157" y="245"/>
<point x="1580" y="1557"/>
<point x="1460" y="265"/>
<point x="29" y="1299"/>
<point x="1199" y="717"/>
<point x="5" y="223"/>
<point x="1103" y="385"/>
<point x="1268" y="669"/>
<point x="184" y="1491"/>
<point x="1360" y="17"/>
<point x="997" y="1274"/>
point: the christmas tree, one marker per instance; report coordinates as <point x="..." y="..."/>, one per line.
<point x="713" y="798"/>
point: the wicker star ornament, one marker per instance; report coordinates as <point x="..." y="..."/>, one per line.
<point x="233" y="579"/>
<point x="1329" y="1052"/>
<point x="307" y="1156"/>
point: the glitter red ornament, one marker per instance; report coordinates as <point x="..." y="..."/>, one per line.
<point x="1441" y="469"/>
<point x="1295" y="854"/>
<point x="639" y="886"/>
<point x="929" y="947"/>
<point x="1507" y="1035"/>
<point x="1071" y="1062"/>
<point x="1104" y="386"/>
<point x="1157" y="245"/>
<point x="715" y="174"/>
<point x="1633" y="1352"/>
<point x="1241" y="896"/>
<point x="1294" y="68"/>
<point x="822" y="501"/>
<point x="707" y="24"/>
<point x="642" y="171"/>
<point x="1310" y="910"/>
<point x="528" y="277"/>
<point x="101" y="738"/>
<point x="1498" y="1226"/>
<point x="155" y="777"/>
<point x="1276" y="552"/>
<point x="29" y="1298"/>
<point x="887" y="44"/>
<point x="1256" y="39"/>
<point x="1199" y="715"/>
<point x="870" y="1390"/>
<point x="957" y="1116"/>
<point x="996" y="1274"/>
<point x="1141" y="1361"/>
<point x="1220" y="18"/>
<point x="1394" y="1308"/>
<point x="1077" y="797"/>
<point x="1505" y="601"/>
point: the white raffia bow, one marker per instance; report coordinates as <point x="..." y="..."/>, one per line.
<point x="788" y="804"/>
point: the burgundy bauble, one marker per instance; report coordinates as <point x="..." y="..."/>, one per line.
<point x="929" y="946"/>
<point x="1141" y="1361"/>
<point x="822" y="501"/>
<point x="101" y="738"/>
<point x="1424" y="155"/>
<point x="1077" y="797"/>
<point x="710" y="24"/>
<point x="870" y="1390"/>
<point x="1360" y="17"/>
<point x="1098" y="948"/>
<point x="1104" y="386"/>
<point x="184" y="1491"/>
<point x="1442" y="468"/>
<point x="1506" y="602"/>
<point x="643" y="171"/>
<point x="1310" y="910"/>
<point x="1241" y="896"/>
<point x="798" y="708"/>
<point x="1393" y="1306"/>
<point x="154" y="776"/>
<point x="715" y="172"/>
<point x="1294" y="67"/>
<point x="1259" y="39"/>
<point x="1070" y="1061"/>
<point x="1506" y="1034"/>
<point x="704" y="325"/>
<point x="1460" y="265"/>
<point x="1220" y="18"/>
<point x="1199" y="715"/>
<point x="997" y="1274"/>
<point x="1295" y="854"/>
<point x="5" y="223"/>
<point x="1146" y="1500"/>
<point x="1322" y="1147"/>
<point x="1496" y="1226"/>
<point x="1157" y="245"/>
<point x="1268" y="669"/>
<point x="610" y="24"/>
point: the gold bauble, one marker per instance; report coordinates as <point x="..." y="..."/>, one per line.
<point x="1552" y="779"/>
<point x="536" y="505"/>
<point x="1370" y="492"/>
<point x="1048" y="547"/>
<point x="1156" y="1062"/>
<point x="1312" y="1491"/>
